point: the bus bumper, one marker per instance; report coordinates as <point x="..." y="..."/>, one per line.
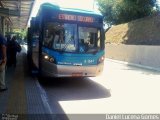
<point x="53" y="70"/>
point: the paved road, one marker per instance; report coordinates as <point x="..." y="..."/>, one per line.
<point x="120" y="89"/>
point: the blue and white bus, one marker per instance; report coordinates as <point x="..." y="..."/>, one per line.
<point x="66" y="42"/>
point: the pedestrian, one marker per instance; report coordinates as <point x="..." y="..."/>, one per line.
<point x="8" y="64"/>
<point x="13" y="47"/>
<point x="3" y="59"/>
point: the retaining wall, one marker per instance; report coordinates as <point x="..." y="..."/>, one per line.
<point x="137" y="54"/>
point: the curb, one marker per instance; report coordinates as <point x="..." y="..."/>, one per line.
<point x="133" y="64"/>
<point x="44" y="98"/>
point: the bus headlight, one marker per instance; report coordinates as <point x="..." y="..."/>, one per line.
<point x="51" y="59"/>
<point x="48" y="58"/>
<point x="101" y="59"/>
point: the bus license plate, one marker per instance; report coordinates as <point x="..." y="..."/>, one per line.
<point x="77" y="74"/>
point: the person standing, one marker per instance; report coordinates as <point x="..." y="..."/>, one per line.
<point x="8" y="64"/>
<point x="13" y="47"/>
<point x="3" y="59"/>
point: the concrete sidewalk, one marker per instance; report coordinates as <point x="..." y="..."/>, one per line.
<point x="24" y="98"/>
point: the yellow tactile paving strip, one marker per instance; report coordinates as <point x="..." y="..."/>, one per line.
<point x="17" y="98"/>
<point x="23" y="99"/>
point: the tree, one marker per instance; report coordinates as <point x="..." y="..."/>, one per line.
<point x="21" y="33"/>
<point x="121" y="11"/>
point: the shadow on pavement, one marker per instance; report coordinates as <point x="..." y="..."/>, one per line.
<point x="68" y="89"/>
<point x="74" y="88"/>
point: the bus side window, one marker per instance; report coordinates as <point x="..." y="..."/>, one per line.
<point x="55" y="41"/>
<point x="46" y="39"/>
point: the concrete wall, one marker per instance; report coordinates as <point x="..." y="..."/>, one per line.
<point x="137" y="54"/>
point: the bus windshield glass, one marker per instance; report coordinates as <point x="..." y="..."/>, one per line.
<point x="64" y="37"/>
<point x="60" y="36"/>
<point x="89" y="39"/>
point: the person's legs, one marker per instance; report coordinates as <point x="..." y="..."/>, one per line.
<point x="14" y="61"/>
<point x="9" y="62"/>
<point x="2" y="80"/>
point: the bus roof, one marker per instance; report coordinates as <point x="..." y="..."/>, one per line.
<point x="55" y="6"/>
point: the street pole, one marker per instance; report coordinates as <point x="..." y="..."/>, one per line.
<point x="93" y="4"/>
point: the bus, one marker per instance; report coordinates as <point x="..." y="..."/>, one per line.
<point x="65" y="42"/>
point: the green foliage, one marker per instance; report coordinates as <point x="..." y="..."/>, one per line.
<point x="20" y="33"/>
<point x="121" y="11"/>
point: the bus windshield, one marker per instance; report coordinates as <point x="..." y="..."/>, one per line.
<point x="89" y="39"/>
<point x="64" y="37"/>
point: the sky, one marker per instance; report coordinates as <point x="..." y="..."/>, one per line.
<point x="158" y="2"/>
<point x="81" y="4"/>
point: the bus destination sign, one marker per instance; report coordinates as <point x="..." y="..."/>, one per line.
<point x="76" y="18"/>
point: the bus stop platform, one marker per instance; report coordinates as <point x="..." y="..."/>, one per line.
<point x="24" y="99"/>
